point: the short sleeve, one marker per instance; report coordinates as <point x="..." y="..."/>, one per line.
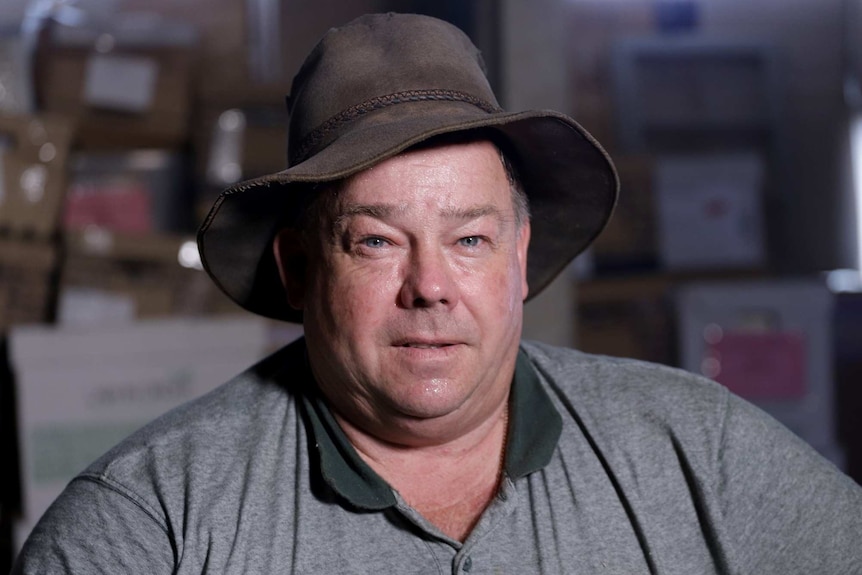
<point x="95" y="529"/>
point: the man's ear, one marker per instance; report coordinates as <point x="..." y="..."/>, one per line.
<point x="292" y="261"/>
<point x="523" y="248"/>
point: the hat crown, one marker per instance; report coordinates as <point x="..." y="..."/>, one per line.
<point x="374" y="61"/>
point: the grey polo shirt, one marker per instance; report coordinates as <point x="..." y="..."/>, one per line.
<point x="612" y="466"/>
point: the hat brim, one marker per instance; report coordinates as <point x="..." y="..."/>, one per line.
<point x="569" y="180"/>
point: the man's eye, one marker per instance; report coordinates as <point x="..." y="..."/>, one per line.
<point x="470" y="241"/>
<point x="373" y="242"/>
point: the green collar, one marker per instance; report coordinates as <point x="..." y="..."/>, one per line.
<point x="534" y="429"/>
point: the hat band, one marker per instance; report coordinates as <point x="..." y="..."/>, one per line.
<point x="358" y="110"/>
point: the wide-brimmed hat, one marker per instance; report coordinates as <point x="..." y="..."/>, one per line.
<point x="372" y="89"/>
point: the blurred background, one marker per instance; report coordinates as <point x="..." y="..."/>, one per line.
<point x="736" y="126"/>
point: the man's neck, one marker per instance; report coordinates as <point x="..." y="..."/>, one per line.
<point x="449" y="483"/>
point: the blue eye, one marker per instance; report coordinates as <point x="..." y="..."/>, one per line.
<point x="373" y="242"/>
<point x="470" y="241"/>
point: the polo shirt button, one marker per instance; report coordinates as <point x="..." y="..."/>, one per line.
<point x="468" y="564"/>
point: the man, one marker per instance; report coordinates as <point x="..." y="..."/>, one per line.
<point x="411" y="431"/>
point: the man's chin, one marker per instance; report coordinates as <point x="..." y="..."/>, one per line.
<point x="431" y="413"/>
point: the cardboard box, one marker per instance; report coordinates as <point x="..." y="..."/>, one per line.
<point x="240" y="143"/>
<point x="32" y="198"/>
<point x="710" y="211"/>
<point x="686" y="93"/>
<point x="122" y="93"/>
<point x="33" y="154"/>
<point x="222" y="47"/>
<point x="27" y="282"/>
<point x="629" y="241"/>
<point x="133" y="191"/>
<point x="627" y="317"/>
<point x="236" y="144"/>
<point x="595" y="28"/>
<point x="769" y="342"/>
<point x="44" y="138"/>
<point x="110" y="278"/>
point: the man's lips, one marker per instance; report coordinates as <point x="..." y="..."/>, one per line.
<point x="424" y="343"/>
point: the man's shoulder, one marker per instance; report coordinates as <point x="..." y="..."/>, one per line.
<point x="607" y="389"/>
<point x="171" y="484"/>
<point x="585" y="370"/>
<point x="216" y="429"/>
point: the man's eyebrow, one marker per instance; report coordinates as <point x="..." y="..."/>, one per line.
<point x="378" y="211"/>
<point x="472" y="213"/>
<point x="384" y="211"/>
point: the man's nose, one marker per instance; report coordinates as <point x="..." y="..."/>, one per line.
<point x="428" y="280"/>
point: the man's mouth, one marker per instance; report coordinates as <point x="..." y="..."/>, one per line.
<point x="423" y="343"/>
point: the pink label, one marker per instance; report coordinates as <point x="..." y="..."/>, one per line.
<point x="119" y="207"/>
<point x="768" y="365"/>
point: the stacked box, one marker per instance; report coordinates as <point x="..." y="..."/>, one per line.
<point x="27" y="272"/>
<point x="129" y="191"/>
<point x="627" y="317"/>
<point x="33" y="154"/>
<point x="249" y="49"/>
<point x="710" y="211"/>
<point x="595" y="28"/>
<point x="124" y="88"/>
<point x="113" y="278"/>
<point x="769" y="342"/>
<point x="237" y="144"/>
<point x="629" y="242"/>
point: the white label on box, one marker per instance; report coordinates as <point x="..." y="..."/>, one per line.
<point x="90" y="307"/>
<point x="709" y="211"/>
<point x="121" y="83"/>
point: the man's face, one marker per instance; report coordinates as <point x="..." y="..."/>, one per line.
<point x="413" y="297"/>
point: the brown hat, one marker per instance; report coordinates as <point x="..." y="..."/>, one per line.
<point x="372" y="89"/>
